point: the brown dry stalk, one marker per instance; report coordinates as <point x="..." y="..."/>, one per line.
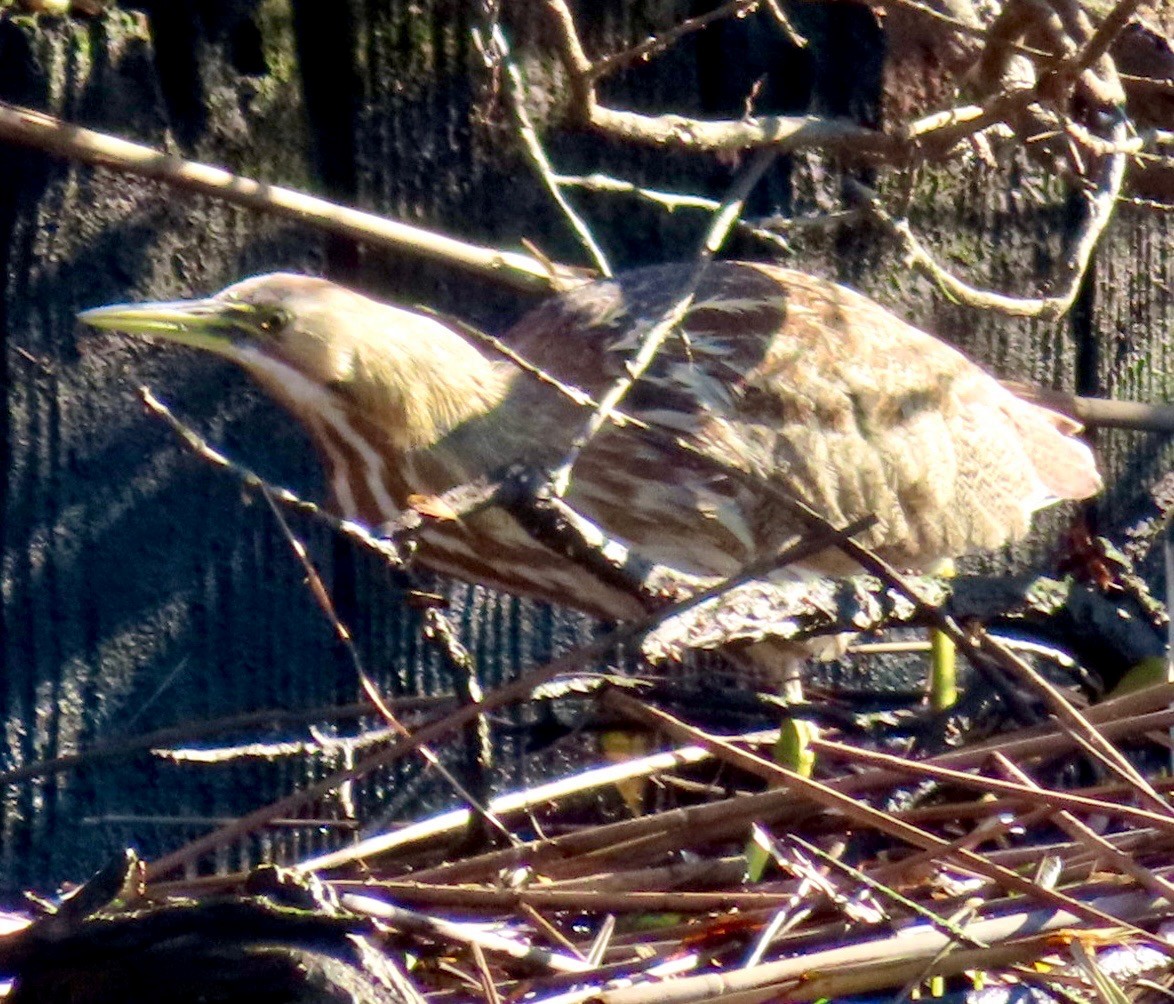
<point x="448" y="823"/>
<point x="839" y="972"/>
<point x="1093" y="841"/>
<point x="1029" y="795"/>
<point x="865" y="815"/>
<point x="728" y="816"/>
<point x="540" y="897"/>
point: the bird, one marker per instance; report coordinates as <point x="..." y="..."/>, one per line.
<point x="778" y="384"/>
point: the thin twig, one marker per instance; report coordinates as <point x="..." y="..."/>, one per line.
<point x="479" y="752"/>
<point x="670" y="202"/>
<point x="497" y="53"/>
<point x="517" y="690"/>
<point x="138" y="819"/>
<point x="1101" y="205"/>
<point x="656" y="335"/>
<point x="1029" y="795"/>
<point x="253" y="482"/>
<point x="546" y="927"/>
<point x="322" y="598"/>
<point x="271" y="751"/>
<point x="946" y="925"/>
<point x="1095" y="412"/>
<point x="653" y="46"/>
<point x="488" y="987"/>
<point x="1072" y="721"/>
<point x="161" y="738"/>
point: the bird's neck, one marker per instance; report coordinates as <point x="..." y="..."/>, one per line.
<point x="427" y="393"/>
<point x="413" y="417"/>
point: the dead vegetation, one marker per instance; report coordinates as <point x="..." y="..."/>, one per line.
<point x="923" y="847"/>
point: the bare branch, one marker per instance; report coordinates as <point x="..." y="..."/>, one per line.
<point x="656" y="44"/>
<point x="1101" y="202"/>
<point x="1106" y="34"/>
<point x="253" y="482"/>
<point x="52" y="135"/>
<point x="723" y="220"/>
<point x="497" y="51"/>
<point x="670" y="202"/>
<point x="932" y="136"/>
<point x="1096" y="412"/>
<point x="574" y="59"/>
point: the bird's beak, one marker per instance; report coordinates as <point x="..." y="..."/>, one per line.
<point x="211" y="325"/>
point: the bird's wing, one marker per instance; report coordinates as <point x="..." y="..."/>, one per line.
<point x="814" y="389"/>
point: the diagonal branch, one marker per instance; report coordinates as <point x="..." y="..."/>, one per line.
<point x="656" y="44"/>
<point x="52" y="135"/>
<point x="496" y="50"/>
<point x="652" y="340"/>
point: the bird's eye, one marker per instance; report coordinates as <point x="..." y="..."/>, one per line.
<point x="274" y="320"/>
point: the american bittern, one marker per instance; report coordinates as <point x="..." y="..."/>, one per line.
<point x="802" y="384"/>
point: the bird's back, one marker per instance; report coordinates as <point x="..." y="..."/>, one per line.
<point x="813" y="388"/>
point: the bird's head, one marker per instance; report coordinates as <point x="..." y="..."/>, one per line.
<point x="313" y="344"/>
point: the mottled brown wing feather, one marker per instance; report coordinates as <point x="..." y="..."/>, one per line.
<point x="818" y="390"/>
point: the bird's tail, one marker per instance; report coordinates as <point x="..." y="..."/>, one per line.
<point x="1063" y="462"/>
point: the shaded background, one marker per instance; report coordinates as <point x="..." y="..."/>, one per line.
<point x="141" y="590"/>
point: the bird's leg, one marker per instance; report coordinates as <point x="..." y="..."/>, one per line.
<point x="793" y="747"/>
<point x="943" y="667"/>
